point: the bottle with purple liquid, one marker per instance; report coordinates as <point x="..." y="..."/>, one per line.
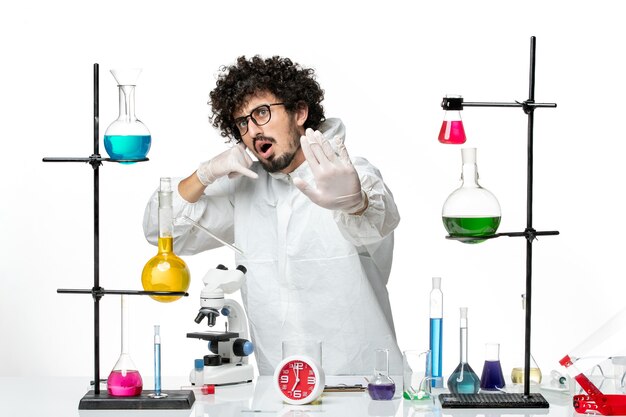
<point x="381" y="386"/>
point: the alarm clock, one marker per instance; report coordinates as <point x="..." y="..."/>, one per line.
<point x="299" y="379"/>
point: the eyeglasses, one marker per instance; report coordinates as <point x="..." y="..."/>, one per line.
<point x="260" y="116"/>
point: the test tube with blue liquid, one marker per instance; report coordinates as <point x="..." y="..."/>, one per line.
<point x="436" y="332"/>
<point x="157" y="365"/>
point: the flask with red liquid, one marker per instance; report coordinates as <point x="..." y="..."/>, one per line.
<point x="452" y="131"/>
<point x="124" y="380"/>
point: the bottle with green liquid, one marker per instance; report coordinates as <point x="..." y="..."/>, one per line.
<point x="471" y="211"/>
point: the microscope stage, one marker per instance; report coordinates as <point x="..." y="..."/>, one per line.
<point x="213" y="336"/>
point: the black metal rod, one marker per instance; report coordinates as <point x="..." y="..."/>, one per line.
<point x="515" y="104"/>
<point x="128" y="292"/>
<point x="529" y="219"/>
<point x="96" y="230"/>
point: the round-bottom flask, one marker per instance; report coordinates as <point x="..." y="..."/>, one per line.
<point x="124" y="380"/>
<point x="165" y="271"/>
<point x="471" y="211"/>
<point x="127" y="138"/>
<point x="381" y="386"/>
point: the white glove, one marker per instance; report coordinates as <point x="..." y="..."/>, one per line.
<point x="233" y="162"/>
<point x="337" y="184"/>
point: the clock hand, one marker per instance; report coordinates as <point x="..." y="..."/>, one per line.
<point x="297" y="372"/>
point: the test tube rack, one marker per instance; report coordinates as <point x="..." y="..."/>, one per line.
<point x="95" y="399"/>
<point x="534" y="400"/>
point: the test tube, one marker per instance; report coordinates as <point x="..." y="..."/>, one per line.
<point x="198" y="377"/>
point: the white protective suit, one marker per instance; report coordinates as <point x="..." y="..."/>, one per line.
<point x="312" y="273"/>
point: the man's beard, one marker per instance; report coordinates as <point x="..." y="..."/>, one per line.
<point x="280" y="162"/>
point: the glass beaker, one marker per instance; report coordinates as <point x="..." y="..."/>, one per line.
<point x="127" y="138"/>
<point x="463" y="380"/>
<point x="492" y="378"/>
<point x="124" y="380"/>
<point x="471" y="211"/>
<point x="380" y="386"/>
<point x="452" y="130"/>
<point x="416" y="376"/>
<point x="165" y="271"/>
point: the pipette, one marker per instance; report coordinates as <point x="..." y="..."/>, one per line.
<point x="157" y="365"/>
<point x="207" y="231"/>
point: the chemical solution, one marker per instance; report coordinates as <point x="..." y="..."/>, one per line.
<point x="464" y="380"/>
<point x="517" y="375"/>
<point x="452" y="132"/>
<point x="124" y="383"/>
<point x="471" y="226"/>
<point x="127" y="146"/>
<point x="165" y="272"/>
<point x="381" y="391"/>
<point x="436" y="327"/>
<point x="492" y="378"/>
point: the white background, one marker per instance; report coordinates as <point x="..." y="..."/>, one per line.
<point x="385" y="67"/>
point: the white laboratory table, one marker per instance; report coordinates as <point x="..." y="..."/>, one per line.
<point x="59" y="396"/>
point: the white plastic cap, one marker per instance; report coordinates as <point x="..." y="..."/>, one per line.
<point x="437" y="283"/>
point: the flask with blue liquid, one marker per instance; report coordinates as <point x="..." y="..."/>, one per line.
<point x="127" y="139"/>
<point x="436" y="332"/>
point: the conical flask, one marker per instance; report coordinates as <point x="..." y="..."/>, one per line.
<point x="452" y="130"/>
<point x="166" y="271"/>
<point x="492" y="378"/>
<point x="471" y="211"/>
<point x="124" y="380"/>
<point x="127" y="138"/>
<point x="463" y="380"/>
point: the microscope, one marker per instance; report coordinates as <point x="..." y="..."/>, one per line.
<point x="227" y="361"/>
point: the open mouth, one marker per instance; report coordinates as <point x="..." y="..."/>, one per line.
<point x="264" y="148"/>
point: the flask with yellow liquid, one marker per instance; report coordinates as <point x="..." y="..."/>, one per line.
<point x="166" y="271"/>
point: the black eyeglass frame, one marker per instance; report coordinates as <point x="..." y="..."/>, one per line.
<point x="249" y="116"/>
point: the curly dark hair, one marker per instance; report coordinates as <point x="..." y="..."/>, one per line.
<point x="288" y="81"/>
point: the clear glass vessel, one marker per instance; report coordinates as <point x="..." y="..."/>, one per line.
<point x="127" y="138"/>
<point x="463" y="380"/>
<point x="124" y="380"/>
<point x="452" y="130"/>
<point x="492" y="378"/>
<point x="436" y="332"/>
<point x="381" y="386"/>
<point x="471" y="211"/>
<point x="165" y="271"/>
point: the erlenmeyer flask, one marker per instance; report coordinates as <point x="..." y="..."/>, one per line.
<point x="452" y="130"/>
<point x="166" y="271"/>
<point x="124" y="380"/>
<point x="381" y="386"/>
<point x="492" y="378"/>
<point x="463" y="380"/>
<point x="127" y="138"/>
<point x="471" y="211"/>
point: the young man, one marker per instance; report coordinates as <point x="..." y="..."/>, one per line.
<point x="315" y="227"/>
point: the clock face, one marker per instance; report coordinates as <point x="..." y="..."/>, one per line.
<point x="299" y="379"/>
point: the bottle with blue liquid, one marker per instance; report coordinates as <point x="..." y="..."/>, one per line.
<point x="436" y="332"/>
<point x="127" y="139"/>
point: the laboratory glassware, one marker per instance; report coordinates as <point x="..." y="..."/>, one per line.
<point x="492" y="378"/>
<point x="157" y="365"/>
<point x="452" y="131"/>
<point x="416" y="375"/>
<point x="471" y="211"/>
<point x="124" y="380"/>
<point x="463" y="379"/>
<point x="597" y="347"/>
<point x="165" y="271"/>
<point x="380" y="385"/>
<point x="127" y="138"/>
<point x="436" y="332"/>
<point x="517" y="373"/>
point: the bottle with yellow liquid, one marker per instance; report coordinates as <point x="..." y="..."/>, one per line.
<point x="166" y="271"/>
<point x="517" y="373"/>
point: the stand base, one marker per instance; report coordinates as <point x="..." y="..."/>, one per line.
<point x="175" y="400"/>
<point x="499" y="400"/>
